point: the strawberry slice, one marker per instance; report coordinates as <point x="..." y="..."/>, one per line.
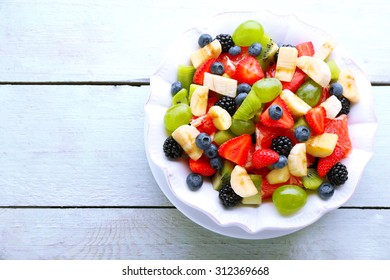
<point x="201" y="166"/>
<point x="305" y="48"/>
<point x="248" y="70"/>
<point x="326" y="163"/>
<point x="297" y="80"/>
<point x="265" y="135"/>
<point x="315" y="117"/>
<point x="228" y="64"/>
<point x="264" y="157"/>
<point x="236" y="149"/>
<point x="199" y="73"/>
<point x="204" y="124"/>
<point x="286" y="121"/>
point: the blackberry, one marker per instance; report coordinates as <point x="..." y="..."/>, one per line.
<point x="345" y="106"/>
<point x="228" y="197"/>
<point x="172" y="149"/>
<point x="282" y="145"/>
<point x="226" y="42"/>
<point x="338" y="174"/>
<point x="228" y="104"/>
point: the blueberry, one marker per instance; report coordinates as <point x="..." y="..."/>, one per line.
<point x="282" y="162"/>
<point x="217" y="68"/>
<point x="326" y="190"/>
<point x="204" y="40"/>
<point x="244" y="87"/>
<point x="203" y="141"/>
<point x="240" y="98"/>
<point x="235" y="50"/>
<point x="255" y="49"/>
<point x="302" y="133"/>
<point x="216" y="163"/>
<point x="194" y="181"/>
<point x="176" y="87"/>
<point x="211" y="152"/>
<point x="336" y="89"/>
<point x="275" y="112"/>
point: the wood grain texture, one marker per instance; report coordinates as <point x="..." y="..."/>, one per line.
<point x="82" y="145"/>
<point x="120" y="41"/>
<point x="167" y="234"/>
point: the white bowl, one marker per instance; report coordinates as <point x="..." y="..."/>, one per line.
<point x="203" y="206"/>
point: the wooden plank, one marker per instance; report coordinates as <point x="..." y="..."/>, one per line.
<point x="167" y="234"/>
<point x="82" y="145"/>
<point x="121" y="41"/>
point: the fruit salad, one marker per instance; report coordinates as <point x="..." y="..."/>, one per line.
<point x="262" y="120"/>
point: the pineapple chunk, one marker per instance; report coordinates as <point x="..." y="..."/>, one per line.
<point x="277" y="176"/>
<point x="285" y="66"/>
<point x="321" y="145"/>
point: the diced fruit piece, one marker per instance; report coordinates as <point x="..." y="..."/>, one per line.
<point x="305" y="48"/>
<point x="339" y="126"/>
<point x="334" y="69"/>
<point x="310" y="92"/>
<point x="176" y="116"/>
<point x="267" y="89"/>
<point x="256" y="198"/>
<point x="264" y="157"/>
<point x="248" y="70"/>
<point x="242" y="183"/>
<point x="198" y="102"/>
<point x="312" y="180"/>
<point x="315" y="68"/>
<point x="236" y="149"/>
<point x="286" y="121"/>
<point x="325" y="50"/>
<point x="228" y="64"/>
<point x="297" y="80"/>
<point x="180" y="97"/>
<point x="297" y="161"/>
<point x="315" y="117"/>
<point x="221" y="85"/>
<point x="221" y="118"/>
<point x="201" y="166"/>
<point x="240" y="127"/>
<point x="277" y="176"/>
<point x="332" y="106"/>
<point x="267" y="55"/>
<point x="222" y="177"/>
<point x="326" y="163"/>
<point x="203" y="68"/>
<point x="204" y="124"/>
<point x="249" y="107"/>
<point x="185" y="75"/>
<point x="297" y="106"/>
<point x="286" y="63"/>
<point x="321" y="145"/>
<point x="248" y="33"/>
<point x="350" y="90"/>
<point x="185" y="135"/>
<point x="222" y="136"/>
<point x="212" y="50"/>
<point x="289" y="199"/>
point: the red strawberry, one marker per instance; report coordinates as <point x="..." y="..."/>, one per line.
<point x="199" y="73"/>
<point x="325" y="95"/>
<point x="228" y="64"/>
<point x="305" y="48"/>
<point x="286" y="121"/>
<point x="212" y="99"/>
<point x="248" y="70"/>
<point x="297" y="80"/>
<point x="236" y="149"/>
<point x="326" y="163"/>
<point x="265" y="135"/>
<point x="201" y="166"/>
<point x="204" y="124"/>
<point x="315" y="117"/>
<point x="264" y="157"/>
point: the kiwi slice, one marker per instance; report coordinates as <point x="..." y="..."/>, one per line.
<point x="222" y="136"/>
<point x="312" y="180"/>
<point x="181" y="97"/>
<point x="249" y="107"/>
<point x="266" y="58"/>
<point x="334" y="69"/>
<point x="254" y="199"/>
<point x="185" y="74"/>
<point x="224" y="176"/>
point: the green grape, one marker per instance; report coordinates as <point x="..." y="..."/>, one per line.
<point x="249" y="107"/>
<point x="267" y="89"/>
<point x="310" y="92"/>
<point x="222" y="136"/>
<point x="180" y="97"/>
<point x="288" y="199"/>
<point x="334" y="70"/>
<point x="247" y="33"/>
<point x="240" y="127"/>
<point x="176" y="116"/>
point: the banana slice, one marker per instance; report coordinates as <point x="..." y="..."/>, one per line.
<point x="297" y="106"/>
<point x="350" y="90"/>
<point x="221" y="118"/>
<point x="198" y="102"/>
<point x="315" y="68"/>
<point x="296" y="161"/>
<point x="286" y="63"/>
<point x="241" y="182"/>
<point x="221" y="85"/>
<point x="185" y="135"/>
<point x="325" y="50"/>
<point x="277" y="176"/>
<point x="332" y="106"/>
<point x="212" y="50"/>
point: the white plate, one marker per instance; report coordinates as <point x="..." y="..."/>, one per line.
<point x="203" y="206"/>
